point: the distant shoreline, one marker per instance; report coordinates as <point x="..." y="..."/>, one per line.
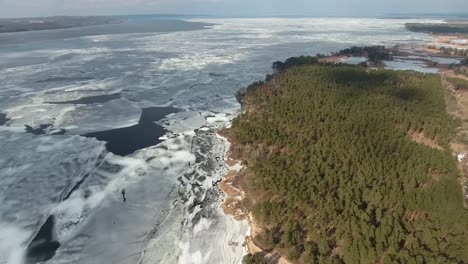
<point x="51" y="23"/>
<point x="145" y="26"/>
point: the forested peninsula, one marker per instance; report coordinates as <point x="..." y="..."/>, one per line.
<point x="346" y="164"/>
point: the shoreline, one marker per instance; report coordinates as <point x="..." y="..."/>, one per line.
<point x="234" y="195"/>
<point x="232" y="204"/>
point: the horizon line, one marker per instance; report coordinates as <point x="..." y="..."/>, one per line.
<point x="378" y="16"/>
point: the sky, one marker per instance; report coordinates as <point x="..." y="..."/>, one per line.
<point x="37" y="8"/>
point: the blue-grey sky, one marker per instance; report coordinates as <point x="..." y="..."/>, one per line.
<point x="28" y="8"/>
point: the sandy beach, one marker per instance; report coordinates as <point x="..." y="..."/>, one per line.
<point x="234" y="206"/>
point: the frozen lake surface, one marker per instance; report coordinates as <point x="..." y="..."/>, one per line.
<point x="155" y="200"/>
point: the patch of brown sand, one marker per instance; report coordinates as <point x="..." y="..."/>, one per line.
<point x="331" y="59"/>
<point x="233" y="204"/>
<point x="453" y="41"/>
<point x="421" y="138"/>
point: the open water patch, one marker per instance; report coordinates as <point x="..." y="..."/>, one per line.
<point x="125" y="141"/>
<point x="44" y="129"/>
<point x="3" y="119"/>
<point x="40" y="130"/>
<point x="64" y="79"/>
<point x="91" y="99"/>
<point x="43" y="246"/>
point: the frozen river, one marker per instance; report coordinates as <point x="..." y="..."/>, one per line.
<point x="156" y="91"/>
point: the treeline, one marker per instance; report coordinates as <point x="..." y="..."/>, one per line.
<point x="337" y="177"/>
<point x="453" y="51"/>
<point x="442" y="28"/>
<point x="280" y="66"/>
<point x="375" y="54"/>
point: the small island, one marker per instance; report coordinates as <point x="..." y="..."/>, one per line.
<point x="349" y="164"/>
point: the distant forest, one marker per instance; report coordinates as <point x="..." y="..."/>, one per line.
<point x="375" y="54"/>
<point x="351" y="165"/>
<point x="441" y="28"/>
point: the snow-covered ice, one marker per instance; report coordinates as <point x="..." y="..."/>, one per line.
<point x="461" y="156"/>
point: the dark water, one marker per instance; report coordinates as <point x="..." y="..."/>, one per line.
<point x="65" y="79"/>
<point x="43" y="246"/>
<point x="125" y="141"/>
<point x="91" y="99"/>
<point x="44" y="129"/>
<point x="41" y="130"/>
<point x="3" y="119"/>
